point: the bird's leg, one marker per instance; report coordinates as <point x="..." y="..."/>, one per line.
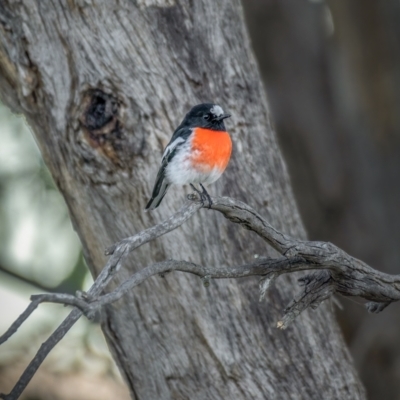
<point x="205" y="193"/>
<point x="196" y="190"/>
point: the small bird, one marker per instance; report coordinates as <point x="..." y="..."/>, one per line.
<point x="198" y="152"/>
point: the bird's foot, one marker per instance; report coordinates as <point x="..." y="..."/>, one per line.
<point x="205" y="193"/>
<point x="204" y="196"/>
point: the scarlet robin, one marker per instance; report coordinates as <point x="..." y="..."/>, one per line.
<point x="198" y="153"/>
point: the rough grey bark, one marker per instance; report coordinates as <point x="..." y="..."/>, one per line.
<point x="103" y="84"/>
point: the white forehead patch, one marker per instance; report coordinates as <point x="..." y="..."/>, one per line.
<point x="217" y="110"/>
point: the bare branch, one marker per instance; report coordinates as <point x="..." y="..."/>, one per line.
<point x="262" y="267"/>
<point x="173" y="222"/>
<point x="42" y="353"/>
<point x="337" y="272"/>
<point x="346" y="275"/>
<point x="119" y="253"/>
<point x="19" y="321"/>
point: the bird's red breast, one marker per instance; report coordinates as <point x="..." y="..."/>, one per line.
<point x="210" y="149"/>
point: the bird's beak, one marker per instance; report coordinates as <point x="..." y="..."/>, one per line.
<point x="223" y="116"/>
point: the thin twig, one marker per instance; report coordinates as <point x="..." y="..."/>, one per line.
<point x="119" y="252"/>
<point x="347" y="275"/>
<point x="19" y="321"/>
<point x="262" y="267"/>
<point x="42" y="353"/>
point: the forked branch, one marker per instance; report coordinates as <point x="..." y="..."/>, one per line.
<point x="336" y="272"/>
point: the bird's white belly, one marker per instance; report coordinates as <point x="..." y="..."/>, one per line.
<point x="181" y="172"/>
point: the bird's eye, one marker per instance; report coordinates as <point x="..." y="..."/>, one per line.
<point x="207" y="117"/>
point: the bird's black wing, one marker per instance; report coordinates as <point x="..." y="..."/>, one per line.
<point x="178" y="139"/>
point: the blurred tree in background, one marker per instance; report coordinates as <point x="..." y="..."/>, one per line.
<point x="332" y="74"/>
<point x="32" y="215"/>
<point x="29" y="200"/>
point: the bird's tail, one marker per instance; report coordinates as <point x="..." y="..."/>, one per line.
<point x="159" y="191"/>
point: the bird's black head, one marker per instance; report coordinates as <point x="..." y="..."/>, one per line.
<point x="206" y="115"/>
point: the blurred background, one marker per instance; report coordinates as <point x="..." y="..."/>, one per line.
<point x="40" y="252"/>
<point x="332" y="74"/>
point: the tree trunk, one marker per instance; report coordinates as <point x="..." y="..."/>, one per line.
<point x="103" y="84"/>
